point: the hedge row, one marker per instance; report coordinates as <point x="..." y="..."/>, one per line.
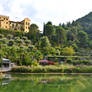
<point x="53" y="69"/>
<point x="78" y="62"/>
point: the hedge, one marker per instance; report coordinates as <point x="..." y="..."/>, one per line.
<point x="53" y="69"/>
<point x="78" y="62"/>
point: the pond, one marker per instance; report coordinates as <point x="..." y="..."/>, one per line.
<point x="46" y="83"/>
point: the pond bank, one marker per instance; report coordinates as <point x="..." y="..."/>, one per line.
<point x="50" y="73"/>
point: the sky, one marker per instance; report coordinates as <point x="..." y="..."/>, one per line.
<point x="42" y="11"/>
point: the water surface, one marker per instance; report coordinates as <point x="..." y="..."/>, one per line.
<point x="46" y="83"/>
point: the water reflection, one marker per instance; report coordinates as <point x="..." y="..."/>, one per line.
<point x="6" y="78"/>
<point x="46" y="83"/>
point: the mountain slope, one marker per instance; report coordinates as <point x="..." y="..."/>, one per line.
<point x="86" y="23"/>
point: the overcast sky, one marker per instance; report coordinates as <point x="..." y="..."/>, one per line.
<point x="40" y="11"/>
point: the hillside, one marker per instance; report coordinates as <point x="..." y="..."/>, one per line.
<point x="86" y="23"/>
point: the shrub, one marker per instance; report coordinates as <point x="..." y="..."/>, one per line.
<point x="21" y="69"/>
<point x="68" y="51"/>
<point x="11" y="42"/>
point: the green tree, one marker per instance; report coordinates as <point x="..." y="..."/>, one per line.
<point x="61" y="35"/>
<point x="49" y="51"/>
<point x="44" y="42"/>
<point x="34" y="33"/>
<point x="49" y="30"/>
<point x="83" y="38"/>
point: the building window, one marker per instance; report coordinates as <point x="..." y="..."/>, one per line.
<point x="6" y="22"/>
<point x="26" y="23"/>
<point x="12" y="25"/>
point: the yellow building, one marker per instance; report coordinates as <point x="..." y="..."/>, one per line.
<point x="19" y="25"/>
<point x="4" y="22"/>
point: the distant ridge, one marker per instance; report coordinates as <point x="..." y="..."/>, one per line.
<point x="86" y="23"/>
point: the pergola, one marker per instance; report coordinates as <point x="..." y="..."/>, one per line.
<point x="6" y="63"/>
